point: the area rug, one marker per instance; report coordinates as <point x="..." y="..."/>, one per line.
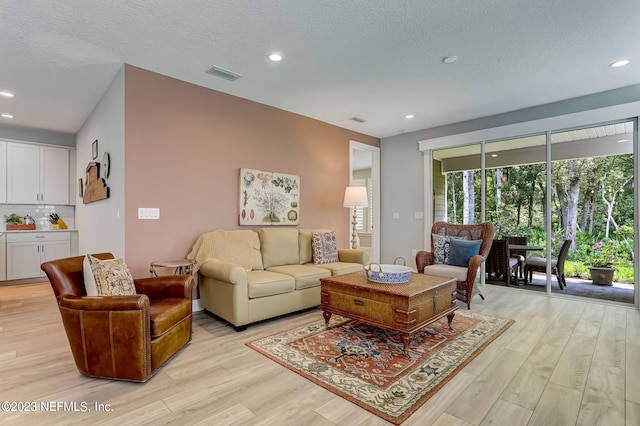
<point x="366" y="365"/>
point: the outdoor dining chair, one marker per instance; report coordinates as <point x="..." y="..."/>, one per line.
<point x="539" y="264"/>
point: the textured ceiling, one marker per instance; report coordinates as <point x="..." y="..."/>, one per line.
<point x="376" y="59"/>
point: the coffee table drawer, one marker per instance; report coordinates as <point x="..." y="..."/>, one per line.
<point x="359" y="306"/>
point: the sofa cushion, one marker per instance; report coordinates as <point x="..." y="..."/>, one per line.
<point x="305" y="244"/>
<point x="265" y="283"/>
<point x="165" y="313"/>
<point x="339" y="268"/>
<point x="325" y="248"/>
<point x="441" y="270"/>
<point x="461" y="251"/>
<point x="279" y="246"/>
<point x="305" y="276"/>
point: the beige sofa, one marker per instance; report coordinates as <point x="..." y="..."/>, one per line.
<point x="247" y="276"/>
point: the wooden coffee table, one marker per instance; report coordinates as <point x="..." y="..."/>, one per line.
<point x="405" y="308"/>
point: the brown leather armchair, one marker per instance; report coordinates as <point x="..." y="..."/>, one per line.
<point x="122" y="337"/>
<point x="465" y="277"/>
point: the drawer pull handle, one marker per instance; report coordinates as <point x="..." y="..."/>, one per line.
<point x="358" y="302"/>
<point x="435" y="300"/>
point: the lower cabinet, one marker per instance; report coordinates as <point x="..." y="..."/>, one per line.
<point x="25" y="252"/>
<point x="3" y="257"/>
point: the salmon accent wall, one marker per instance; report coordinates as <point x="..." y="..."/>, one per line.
<point x="184" y="147"/>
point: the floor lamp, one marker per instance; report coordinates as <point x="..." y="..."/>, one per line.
<point x="354" y="197"/>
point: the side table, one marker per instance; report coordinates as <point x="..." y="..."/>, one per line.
<point x="180" y="266"/>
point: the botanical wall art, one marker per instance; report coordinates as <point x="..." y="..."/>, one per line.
<point x="269" y="198"/>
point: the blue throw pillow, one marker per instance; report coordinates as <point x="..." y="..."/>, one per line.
<point x="461" y="251"/>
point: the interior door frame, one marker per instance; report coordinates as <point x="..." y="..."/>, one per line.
<point x="375" y="179"/>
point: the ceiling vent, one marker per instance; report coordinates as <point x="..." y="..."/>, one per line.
<point x="358" y="119"/>
<point x="222" y="73"/>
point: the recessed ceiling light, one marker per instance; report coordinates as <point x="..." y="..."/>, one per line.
<point x="620" y="63"/>
<point x="275" y="57"/>
<point x="449" y="59"/>
<point x="7" y="115"/>
<point x="409" y="116"/>
<point x="623" y="140"/>
<point x="494" y="155"/>
<point x="6" y="94"/>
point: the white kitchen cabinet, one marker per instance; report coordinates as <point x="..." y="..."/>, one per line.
<point x="37" y="174"/>
<point x="26" y="251"/>
<point x="3" y="257"/>
<point x="3" y="172"/>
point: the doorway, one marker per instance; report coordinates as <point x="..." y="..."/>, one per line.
<point x="364" y="170"/>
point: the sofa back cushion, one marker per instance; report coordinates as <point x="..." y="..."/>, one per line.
<point x="306" y="244"/>
<point x="279" y="246"/>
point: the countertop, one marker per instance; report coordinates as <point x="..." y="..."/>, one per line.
<point x="23" y="231"/>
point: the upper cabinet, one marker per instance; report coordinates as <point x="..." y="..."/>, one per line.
<point x="3" y="174"/>
<point x="37" y="174"/>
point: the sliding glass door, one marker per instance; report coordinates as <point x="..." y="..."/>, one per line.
<point x="565" y="199"/>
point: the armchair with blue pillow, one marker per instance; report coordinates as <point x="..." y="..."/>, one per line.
<point x="457" y="251"/>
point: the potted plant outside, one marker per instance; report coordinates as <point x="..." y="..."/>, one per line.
<point x="601" y="266"/>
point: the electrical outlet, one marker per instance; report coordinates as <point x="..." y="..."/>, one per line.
<point x="414" y="252"/>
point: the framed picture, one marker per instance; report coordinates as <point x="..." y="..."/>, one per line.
<point x="94" y="150"/>
<point x="269" y="198"/>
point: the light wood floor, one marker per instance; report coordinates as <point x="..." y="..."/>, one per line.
<point x="563" y="362"/>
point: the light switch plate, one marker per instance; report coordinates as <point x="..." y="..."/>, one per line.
<point x="148" y="213"/>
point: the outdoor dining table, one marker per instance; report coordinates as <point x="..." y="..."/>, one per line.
<point x="524" y="247"/>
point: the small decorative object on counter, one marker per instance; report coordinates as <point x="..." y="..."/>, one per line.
<point x="17" y="223"/>
<point x="57" y="222"/>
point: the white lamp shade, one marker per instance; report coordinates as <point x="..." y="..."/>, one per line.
<point x="356" y="196"/>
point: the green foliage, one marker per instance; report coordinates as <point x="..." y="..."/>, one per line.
<point x="13" y="219"/>
<point x="602" y="255"/>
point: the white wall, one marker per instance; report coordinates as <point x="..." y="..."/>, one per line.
<point x="402" y="190"/>
<point x="403" y="168"/>
<point x="101" y="230"/>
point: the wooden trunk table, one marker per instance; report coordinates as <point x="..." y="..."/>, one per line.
<point x="405" y="308"/>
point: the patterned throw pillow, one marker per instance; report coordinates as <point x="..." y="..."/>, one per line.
<point x="112" y="277"/>
<point x="440" y="248"/>
<point x="325" y="248"/>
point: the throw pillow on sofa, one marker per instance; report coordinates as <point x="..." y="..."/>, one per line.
<point x="325" y="247"/>
<point x="112" y="277"/>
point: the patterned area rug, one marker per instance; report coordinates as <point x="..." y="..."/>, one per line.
<point x="366" y="365"/>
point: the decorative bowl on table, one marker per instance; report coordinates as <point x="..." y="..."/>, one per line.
<point x="388" y="274"/>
